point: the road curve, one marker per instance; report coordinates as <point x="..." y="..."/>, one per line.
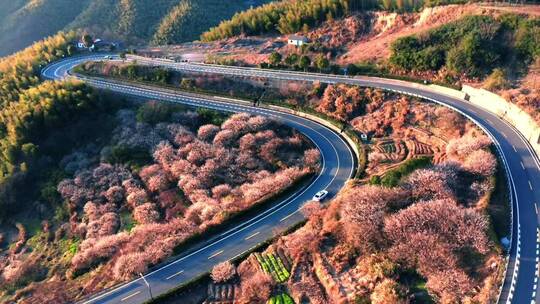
<point x="337" y="167"/>
<point x="521" y="163"/>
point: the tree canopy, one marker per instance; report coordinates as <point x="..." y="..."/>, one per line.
<point x="31" y="110"/>
<point x="473" y="45"/>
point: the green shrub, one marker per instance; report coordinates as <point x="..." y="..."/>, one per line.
<point x="122" y="154"/>
<point x="153" y="112"/>
<point x="473" y="56"/>
<point x="275" y="59"/>
<point x="394" y="176"/>
<point x="472" y="45"/>
<point x="375" y="180"/>
<point x="391" y="179"/>
<point x="210" y="116"/>
<point x="527" y="39"/>
<point x="496" y="81"/>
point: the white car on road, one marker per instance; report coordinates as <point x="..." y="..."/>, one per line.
<point x="319" y="196"/>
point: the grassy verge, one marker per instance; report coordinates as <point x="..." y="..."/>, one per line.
<point x="498" y="205"/>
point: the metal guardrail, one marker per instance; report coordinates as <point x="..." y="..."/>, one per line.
<point x="510" y="185"/>
<point x="348" y="78"/>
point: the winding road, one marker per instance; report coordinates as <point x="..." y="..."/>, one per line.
<point x="521" y="163"/>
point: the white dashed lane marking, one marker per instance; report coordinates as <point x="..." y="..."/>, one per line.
<point x="288" y="216"/>
<point x="253" y="235"/>
<point x="174" y="275"/>
<point x="215" y="254"/>
<point x="130" y="296"/>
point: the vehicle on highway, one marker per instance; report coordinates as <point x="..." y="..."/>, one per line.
<point x="321" y="195"/>
<point x="108" y="57"/>
<point x="521" y="268"/>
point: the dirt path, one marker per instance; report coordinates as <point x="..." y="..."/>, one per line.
<point x="529" y="9"/>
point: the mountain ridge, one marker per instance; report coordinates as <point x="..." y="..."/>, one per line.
<point x="133" y="21"/>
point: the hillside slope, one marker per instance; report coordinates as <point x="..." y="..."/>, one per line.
<point x="23" y="22"/>
<point x="134" y="21"/>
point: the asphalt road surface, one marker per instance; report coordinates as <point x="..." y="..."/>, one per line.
<point x="338" y="164"/>
<point x="521" y="163"/>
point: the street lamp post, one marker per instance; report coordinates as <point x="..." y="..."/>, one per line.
<point x="147" y="285"/>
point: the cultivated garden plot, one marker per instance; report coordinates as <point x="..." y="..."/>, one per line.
<point x="274" y="265"/>
<point x="283" y="298"/>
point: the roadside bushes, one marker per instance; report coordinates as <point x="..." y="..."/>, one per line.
<point x="496" y="81"/>
<point x="153" y="112"/>
<point x="132" y="72"/>
<point x="342" y="102"/>
<point x="223" y="272"/>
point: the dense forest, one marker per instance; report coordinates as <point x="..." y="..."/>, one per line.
<point x="31" y="112"/>
<point x="473" y="46"/>
<point x="133" y="21"/>
<point x="286" y="17"/>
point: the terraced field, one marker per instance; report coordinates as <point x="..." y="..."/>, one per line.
<point x="275" y="264"/>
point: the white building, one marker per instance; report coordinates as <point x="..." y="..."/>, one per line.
<point x="297" y="40"/>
